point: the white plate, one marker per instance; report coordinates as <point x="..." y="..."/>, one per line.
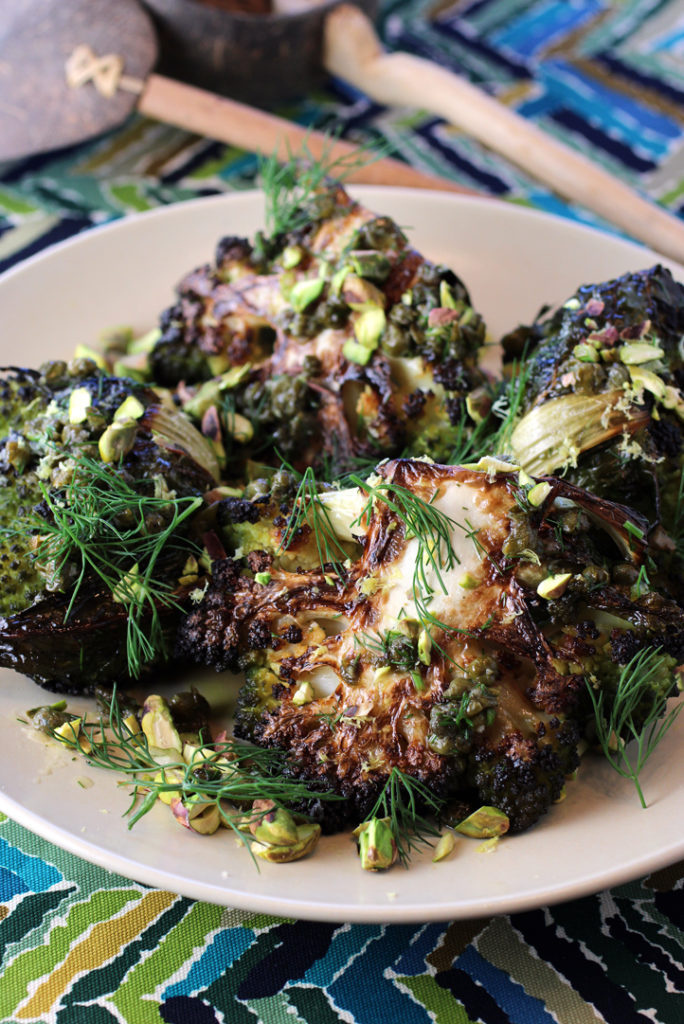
<point x="513" y="260"/>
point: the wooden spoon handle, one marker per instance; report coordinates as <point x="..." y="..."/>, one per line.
<point x="353" y="53"/>
<point x="239" y="125"/>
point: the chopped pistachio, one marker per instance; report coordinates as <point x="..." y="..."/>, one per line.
<point x="444" y="847"/>
<point x="239" y="428"/>
<point x="484" y="823"/>
<point x="277" y="827"/>
<point x="585" y="353"/>
<point x="640" y="352"/>
<point x="291" y="256"/>
<point x="167" y="776"/>
<point x="303" y="293"/>
<point x="649" y="381"/>
<point x="157" y="724"/>
<point x="377" y="848"/>
<point x="356" y="353"/>
<point x="304" y="694"/>
<point x="490" y="465"/>
<point x="446" y="296"/>
<point x="263" y="578"/>
<point x="369" y="327"/>
<point x="359" y="293"/>
<point x="80" y="401"/>
<point x="117" y="440"/>
<point x="538" y="494"/>
<point x="85" y="352"/>
<point x="144" y="343"/>
<point x="72" y="733"/>
<point x="128" y="587"/>
<point x="468" y="581"/>
<point x="554" y="586"/>
<point x="337" y="279"/>
<point x="424" y="646"/>
<point x="130" y="409"/>
<point x="307" y="837"/>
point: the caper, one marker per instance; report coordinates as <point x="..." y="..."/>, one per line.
<point x="395" y="341"/>
<point x="206" y="772"/>
<point x="47" y="719"/>
<point x="190" y="710"/>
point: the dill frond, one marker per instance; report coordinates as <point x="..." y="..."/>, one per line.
<point x="100" y="526"/>
<point x="625" y="741"/>
<point x="405" y="802"/>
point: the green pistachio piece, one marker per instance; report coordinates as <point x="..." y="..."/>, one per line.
<point x="85" y="352"/>
<point x="554" y="586"/>
<point x="424" y="646"/>
<point x="304" y="694"/>
<point x="640" y="352"/>
<point x="491" y="466"/>
<point x="484" y="823"/>
<point x="377" y="848"/>
<point x="167" y="776"/>
<point x="356" y="353"/>
<point x="538" y="494"/>
<point x="338" y="279"/>
<point x="649" y="381"/>
<point x="291" y="256"/>
<point x="446" y="296"/>
<point x="117" y="440"/>
<point x="369" y="327"/>
<point x="72" y="733"/>
<point x="444" y="847"/>
<point x="135" y="366"/>
<point x="303" y="293"/>
<point x="157" y="724"/>
<point x="130" y="409"/>
<point x="239" y="427"/>
<point x="359" y="293"/>
<point x="276" y="828"/>
<point x="262" y="577"/>
<point x="144" y="343"/>
<point x="585" y="353"/>
<point x="468" y="581"/>
<point x="307" y="837"/>
<point x="80" y="401"/>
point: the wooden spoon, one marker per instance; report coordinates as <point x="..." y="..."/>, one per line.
<point x="40" y="111"/>
<point x="353" y="52"/>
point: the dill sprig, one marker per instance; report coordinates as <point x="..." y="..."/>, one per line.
<point x="309" y="510"/>
<point x="405" y="802"/>
<point x="508" y="405"/>
<point x="435" y="554"/>
<point x="628" y="742"/>
<point x="101" y="526"/>
<point x="226" y="772"/>
<point x="290" y="187"/>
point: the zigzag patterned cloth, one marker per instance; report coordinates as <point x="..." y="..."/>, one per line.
<point x="82" y="946"/>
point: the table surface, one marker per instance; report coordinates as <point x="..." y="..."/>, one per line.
<point x="81" y="945"/>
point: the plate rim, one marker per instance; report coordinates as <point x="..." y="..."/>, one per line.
<point x="388" y="912"/>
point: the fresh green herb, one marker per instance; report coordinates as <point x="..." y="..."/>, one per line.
<point x="405" y="801"/>
<point x="100" y="525"/>
<point x="617" y="728"/>
<point x="290" y="187"/>
<point x="225" y="772"/>
<point x="309" y="510"/>
<point x="508" y="405"/>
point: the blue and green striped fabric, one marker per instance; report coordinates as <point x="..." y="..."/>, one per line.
<point x="81" y="946"/>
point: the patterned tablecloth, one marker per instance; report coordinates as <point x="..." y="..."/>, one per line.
<point x="82" y="946"/>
